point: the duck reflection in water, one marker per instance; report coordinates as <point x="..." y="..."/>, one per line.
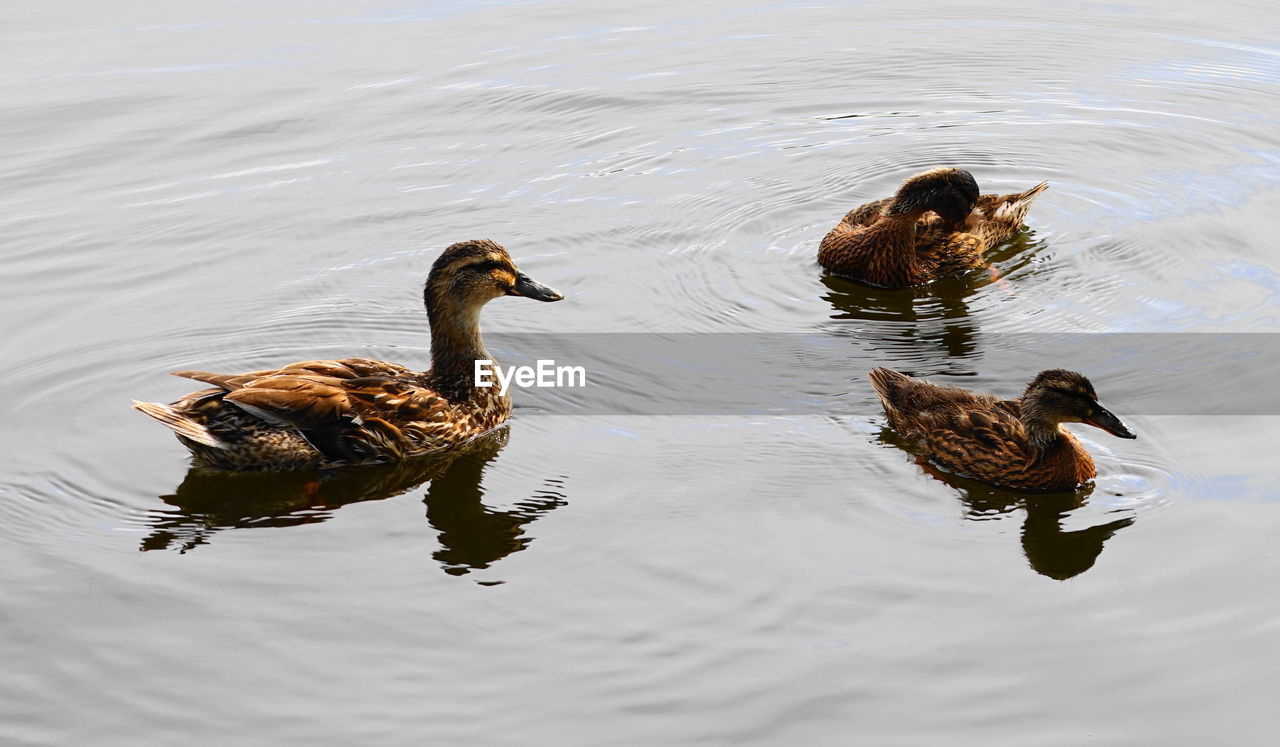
<point x="929" y="322"/>
<point x="472" y="535"/>
<point x="1050" y="550"/>
<point x="909" y="324"/>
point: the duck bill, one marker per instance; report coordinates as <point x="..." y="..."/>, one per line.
<point x="529" y="288"/>
<point x="1104" y="419"/>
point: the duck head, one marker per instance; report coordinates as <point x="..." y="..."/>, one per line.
<point x="949" y="192"/>
<point x="463" y="279"/>
<point x="1058" y="396"/>
<point x="470" y="274"/>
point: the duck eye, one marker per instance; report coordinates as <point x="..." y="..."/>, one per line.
<point x="487" y="266"/>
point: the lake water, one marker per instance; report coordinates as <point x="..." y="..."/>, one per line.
<point x="233" y="186"/>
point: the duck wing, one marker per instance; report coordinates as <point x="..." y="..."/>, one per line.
<point x="909" y="397"/>
<point x="303" y="402"/>
<point x="865" y="215"/>
<point x="973" y="434"/>
<point x="351" y="409"/>
<point x="988" y="444"/>
<point x="351" y="418"/>
<point x="948" y="252"/>
<point x="345" y="368"/>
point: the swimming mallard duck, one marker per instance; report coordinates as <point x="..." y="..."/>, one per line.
<point x="1012" y="443"/>
<point x="936" y="225"/>
<point x="352" y="411"/>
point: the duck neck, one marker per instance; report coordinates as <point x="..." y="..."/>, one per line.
<point x="1045" y="436"/>
<point x="1042" y="428"/>
<point x="901" y="220"/>
<point x="897" y="231"/>
<point x="455" y="347"/>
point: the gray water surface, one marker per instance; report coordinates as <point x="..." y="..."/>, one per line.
<point x="234" y="186"/>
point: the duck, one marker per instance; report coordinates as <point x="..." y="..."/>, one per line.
<point x="936" y="225"/>
<point x="1017" y="443"/>
<point x="332" y="413"/>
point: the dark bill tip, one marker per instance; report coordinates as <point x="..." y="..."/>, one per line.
<point x="1104" y="419"/>
<point x="527" y="287"/>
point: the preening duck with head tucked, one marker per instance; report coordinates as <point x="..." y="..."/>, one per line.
<point x="1012" y="443"/>
<point x="936" y="225"/>
<point x="356" y="410"/>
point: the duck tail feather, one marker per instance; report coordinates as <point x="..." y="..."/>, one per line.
<point x="179" y="423"/>
<point x="1030" y="194"/>
<point x="222" y="381"/>
<point x="887" y="383"/>
<point x="1015" y="207"/>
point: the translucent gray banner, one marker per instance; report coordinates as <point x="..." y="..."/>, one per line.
<point x="825" y="373"/>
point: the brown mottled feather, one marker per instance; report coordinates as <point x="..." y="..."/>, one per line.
<point x="988" y="219"/>
<point x="865" y="215"/>
<point x="895" y="253"/>
<point x="978" y="435"/>
<point x="356" y="410"/>
<point x="258" y="420"/>
<point x="871" y="244"/>
<point x="997" y="218"/>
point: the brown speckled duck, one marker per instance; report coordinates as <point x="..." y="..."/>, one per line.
<point x="935" y="226"/>
<point x="1012" y="443"/>
<point x="319" y="414"/>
